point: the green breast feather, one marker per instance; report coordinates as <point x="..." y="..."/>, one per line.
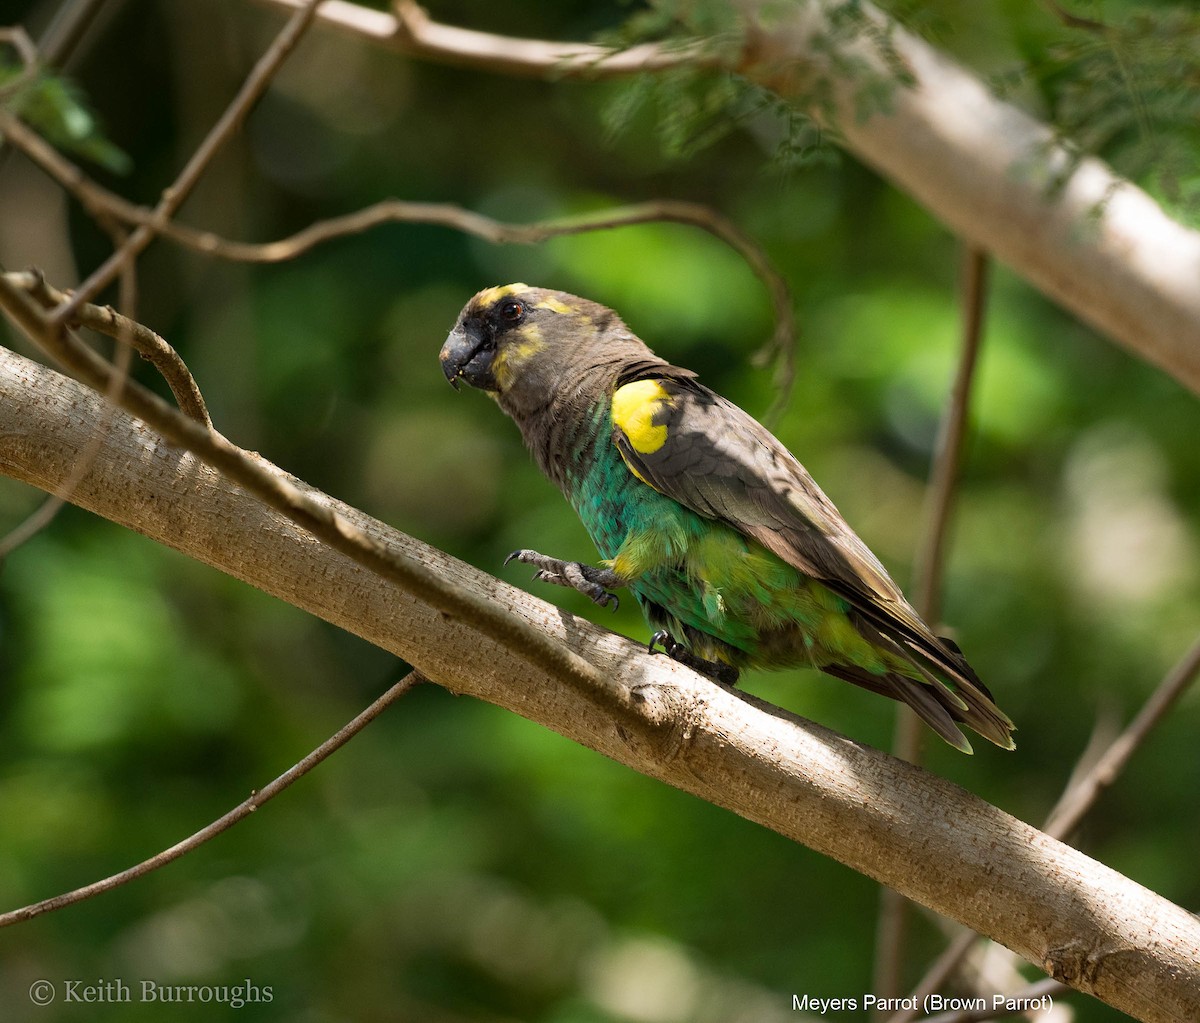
<point x="749" y="604"/>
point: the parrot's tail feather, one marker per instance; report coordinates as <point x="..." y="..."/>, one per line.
<point x="923" y="700"/>
<point x="951" y="683"/>
<point x="980" y="710"/>
<point x="921" y="697"/>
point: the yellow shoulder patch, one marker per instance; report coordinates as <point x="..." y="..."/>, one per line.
<point x="634" y="407"/>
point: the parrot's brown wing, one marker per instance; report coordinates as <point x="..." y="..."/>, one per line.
<point x="703" y="451"/>
<point x="706" y="453"/>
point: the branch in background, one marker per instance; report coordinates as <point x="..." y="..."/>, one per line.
<point x="142" y="339"/>
<point x="1075" y="803"/>
<point x="1079" y="798"/>
<point x="410" y="31"/>
<point x="19" y="40"/>
<point x="72" y="21"/>
<point x="1070" y="915"/>
<point x="243" y="810"/>
<point x="174" y="195"/>
<point x="929" y="563"/>
<point x="995" y="176"/>
<point x="928" y="566"/>
<point x="99" y="201"/>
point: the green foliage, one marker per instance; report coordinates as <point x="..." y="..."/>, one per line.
<point x="696" y="105"/>
<point x="56" y="108"/>
<point x="694" y="110"/>
<point x="1121" y="81"/>
<point x="1129" y="91"/>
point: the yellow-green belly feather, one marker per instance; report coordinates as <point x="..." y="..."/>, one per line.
<point x="725" y="594"/>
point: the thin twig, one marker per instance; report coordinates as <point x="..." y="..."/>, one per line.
<point x="97" y="200"/>
<point x="412" y="32"/>
<point x="256" y="799"/>
<point x="501" y="233"/>
<point x="173" y="196"/>
<point x="928" y="570"/>
<point x="140" y="338"/>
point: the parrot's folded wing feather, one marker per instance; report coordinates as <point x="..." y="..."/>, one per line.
<point x="703" y="451"/>
<point x="706" y="453"/>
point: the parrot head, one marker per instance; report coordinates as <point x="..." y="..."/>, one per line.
<point x="520" y="344"/>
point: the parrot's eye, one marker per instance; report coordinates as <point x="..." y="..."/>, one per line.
<point x="512" y="311"/>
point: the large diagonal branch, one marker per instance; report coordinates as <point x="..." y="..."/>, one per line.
<point x="936" y="843"/>
<point x="1084" y="236"/>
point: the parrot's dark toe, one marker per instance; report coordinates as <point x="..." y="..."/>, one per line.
<point x="718" y="671"/>
<point x="605" y="599"/>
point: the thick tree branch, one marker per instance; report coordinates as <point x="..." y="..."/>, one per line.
<point x="1075" y="918"/>
<point x="1089" y="239"/>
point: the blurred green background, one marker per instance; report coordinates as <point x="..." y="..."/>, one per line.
<point x="455" y="862"/>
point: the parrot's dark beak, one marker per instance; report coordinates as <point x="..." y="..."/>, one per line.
<point x="467" y="355"/>
<point x="454" y="355"/>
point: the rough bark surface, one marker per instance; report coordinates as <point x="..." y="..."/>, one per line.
<point x="922" y="835"/>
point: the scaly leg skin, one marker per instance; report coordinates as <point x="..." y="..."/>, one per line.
<point x="587" y="579"/>
<point x="718" y="671"/>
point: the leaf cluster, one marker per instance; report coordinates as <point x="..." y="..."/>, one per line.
<point x="59" y="111"/>
<point x="696" y="106"/>
<point x="1129" y="91"/>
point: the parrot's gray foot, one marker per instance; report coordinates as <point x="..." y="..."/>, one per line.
<point x="587" y="579"/>
<point x="718" y="671"/>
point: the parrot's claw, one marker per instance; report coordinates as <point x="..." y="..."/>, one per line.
<point x="718" y="671"/>
<point x="592" y="582"/>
